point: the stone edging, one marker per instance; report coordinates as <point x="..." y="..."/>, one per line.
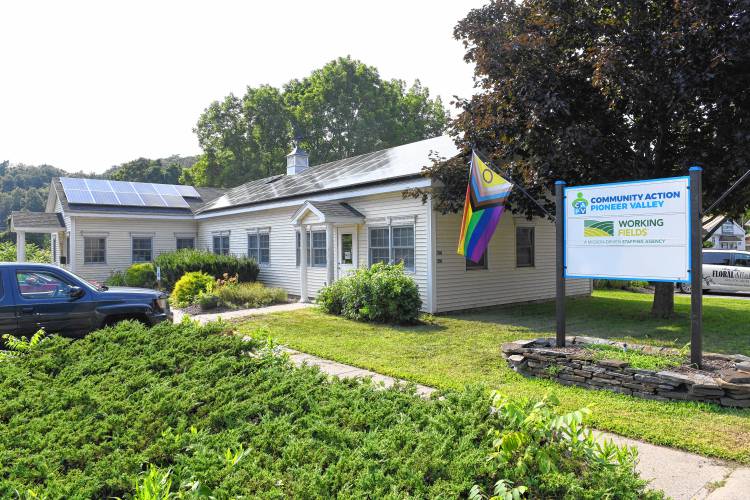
<point x="539" y="358"/>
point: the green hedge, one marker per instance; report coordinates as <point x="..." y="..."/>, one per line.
<point x="174" y="264"/>
<point x="90" y="418"/>
<point x="382" y="293"/>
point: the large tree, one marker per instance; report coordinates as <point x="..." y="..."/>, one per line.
<point x="340" y="110"/>
<point x="600" y="91"/>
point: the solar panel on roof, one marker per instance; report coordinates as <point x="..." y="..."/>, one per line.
<point x="188" y="191"/>
<point x="105" y="198"/>
<point x="142" y="188"/>
<point x="130" y="199"/>
<point x="79" y="196"/>
<point x="122" y="193"/>
<point x="153" y="200"/>
<point x="166" y="189"/>
<point x="175" y="201"/>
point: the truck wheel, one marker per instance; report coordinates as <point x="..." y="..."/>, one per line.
<point x="685" y="288"/>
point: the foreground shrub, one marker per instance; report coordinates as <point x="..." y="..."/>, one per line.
<point x="180" y="407"/>
<point x="174" y="264"/>
<point x="189" y="287"/>
<point x="141" y="275"/>
<point x="249" y="295"/>
<point x="382" y="293"/>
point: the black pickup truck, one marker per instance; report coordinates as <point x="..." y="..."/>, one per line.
<point x="34" y="296"/>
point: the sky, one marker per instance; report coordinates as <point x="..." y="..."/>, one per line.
<point x="88" y="85"/>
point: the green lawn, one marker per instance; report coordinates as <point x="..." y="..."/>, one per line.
<point x="451" y="351"/>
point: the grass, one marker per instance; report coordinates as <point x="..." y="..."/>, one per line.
<point x="636" y="359"/>
<point x="452" y="351"/>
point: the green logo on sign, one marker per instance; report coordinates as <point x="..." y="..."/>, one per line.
<point x="598" y="228"/>
<point x="580" y="204"/>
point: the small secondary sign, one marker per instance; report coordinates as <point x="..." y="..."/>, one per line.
<point x="636" y="230"/>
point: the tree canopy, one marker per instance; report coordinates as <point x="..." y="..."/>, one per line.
<point x="161" y="171"/>
<point x="599" y="91"/>
<point x="340" y="110"/>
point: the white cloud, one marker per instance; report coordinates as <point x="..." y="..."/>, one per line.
<point x="86" y="85"/>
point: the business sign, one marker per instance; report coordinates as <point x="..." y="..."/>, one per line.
<point x="636" y="230"/>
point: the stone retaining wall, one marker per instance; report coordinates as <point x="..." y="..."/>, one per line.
<point x="540" y="358"/>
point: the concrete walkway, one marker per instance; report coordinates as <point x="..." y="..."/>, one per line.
<point x="681" y="475"/>
<point x="240" y="313"/>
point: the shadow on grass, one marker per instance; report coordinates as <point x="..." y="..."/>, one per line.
<point x="626" y="316"/>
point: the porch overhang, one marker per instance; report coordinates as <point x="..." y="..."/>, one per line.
<point x="327" y="212"/>
<point x="36" y="222"/>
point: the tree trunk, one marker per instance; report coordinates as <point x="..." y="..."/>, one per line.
<point x="663" y="306"/>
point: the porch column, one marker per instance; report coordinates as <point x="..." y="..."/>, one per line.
<point x="330" y="257"/>
<point x="303" y="263"/>
<point x="21" y="246"/>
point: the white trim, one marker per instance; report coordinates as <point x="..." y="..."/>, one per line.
<point x="42" y="229"/>
<point x="139" y="234"/>
<point x="431" y="248"/>
<point x="72" y="259"/>
<point x="185" y="235"/>
<point x="258" y="230"/>
<point x="342" y="195"/>
<point x="108" y="215"/>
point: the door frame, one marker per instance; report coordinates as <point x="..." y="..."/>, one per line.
<point x="341" y="268"/>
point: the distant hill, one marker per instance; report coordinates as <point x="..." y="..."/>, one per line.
<point x="161" y="170"/>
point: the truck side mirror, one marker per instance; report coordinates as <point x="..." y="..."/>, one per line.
<point x="76" y="292"/>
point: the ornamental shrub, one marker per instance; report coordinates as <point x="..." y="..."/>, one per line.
<point x="141" y="275"/>
<point x="184" y="411"/>
<point x="33" y="253"/>
<point x="174" y="264"/>
<point x="249" y="295"/>
<point x="382" y="293"/>
<point x="189" y="287"/>
<point x="116" y="278"/>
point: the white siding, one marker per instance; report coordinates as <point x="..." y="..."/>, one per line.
<point x="283" y="272"/>
<point x="118" y="234"/>
<point x="502" y="282"/>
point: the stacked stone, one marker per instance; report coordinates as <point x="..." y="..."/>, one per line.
<point x="539" y="358"/>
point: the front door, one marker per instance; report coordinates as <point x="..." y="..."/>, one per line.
<point x="347" y="247"/>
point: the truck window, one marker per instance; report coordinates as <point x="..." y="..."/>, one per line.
<point x="717" y="258"/>
<point x="41" y="285"/>
<point x="742" y="259"/>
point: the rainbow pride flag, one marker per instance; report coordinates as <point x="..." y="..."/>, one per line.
<point x="486" y="193"/>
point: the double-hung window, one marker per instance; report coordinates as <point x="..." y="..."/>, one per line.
<point x="316" y="248"/>
<point x="258" y="247"/>
<point x="185" y="242"/>
<point x="482" y="264"/>
<point x="94" y="250"/>
<point x="221" y="243"/>
<point x="392" y="244"/>
<point x="524" y="247"/>
<point x="142" y="247"/>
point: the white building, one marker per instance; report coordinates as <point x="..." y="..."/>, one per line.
<point x="729" y="236"/>
<point x="353" y="212"/>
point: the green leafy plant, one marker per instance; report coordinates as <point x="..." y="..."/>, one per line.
<point x="636" y="358"/>
<point x="382" y="293"/>
<point x="549" y="454"/>
<point x="117" y="278"/>
<point x="16" y="346"/>
<point x="223" y="415"/>
<point x="189" y="287"/>
<point x="249" y="295"/>
<point x="207" y="301"/>
<point x="141" y="275"/>
<point x="33" y="253"/>
<point x="174" y="265"/>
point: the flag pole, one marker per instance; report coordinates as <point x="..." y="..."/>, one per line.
<point x="491" y="165"/>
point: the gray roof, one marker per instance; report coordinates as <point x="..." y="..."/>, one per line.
<point x="207" y="195"/>
<point x="334" y="209"/>
<point x="387" y="165"/>
<point x="40" y="220"/>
